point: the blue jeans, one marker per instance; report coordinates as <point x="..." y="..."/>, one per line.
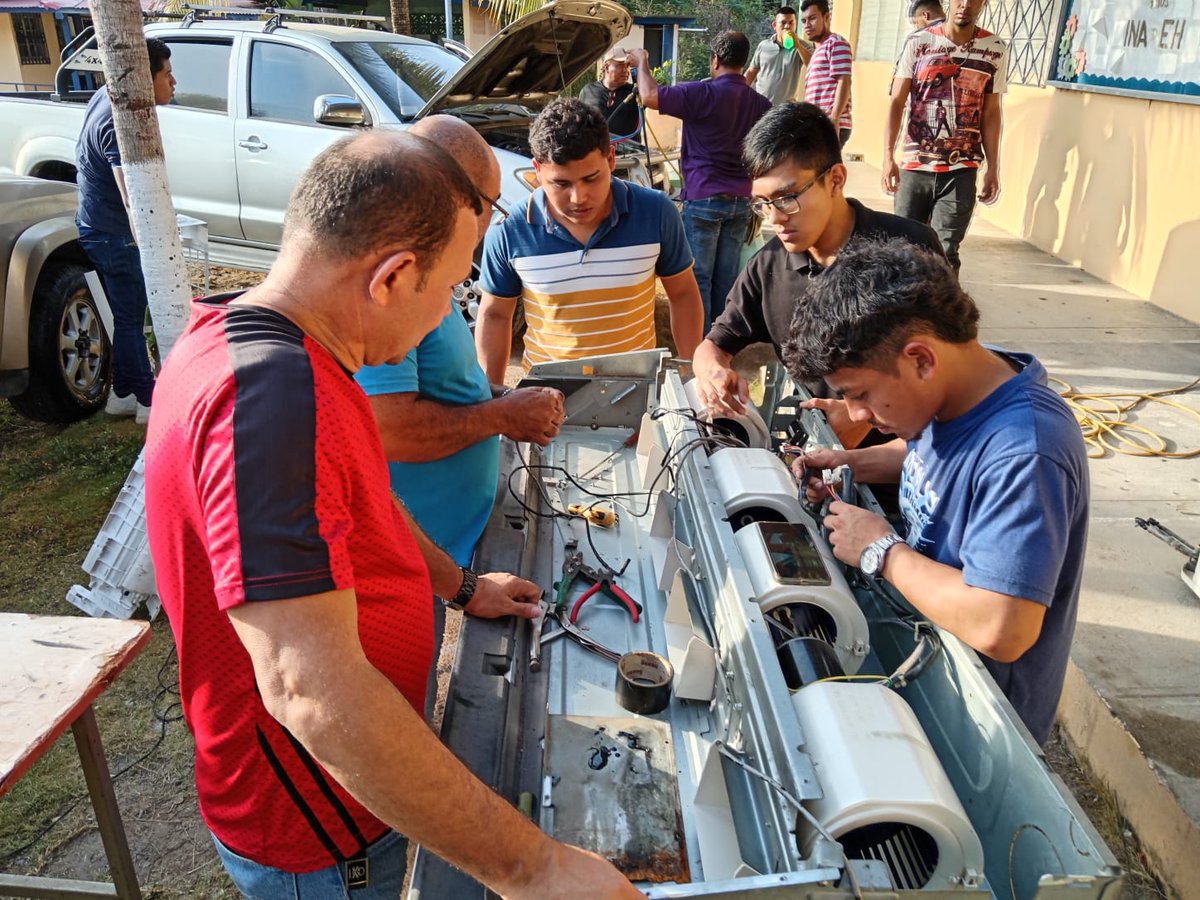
<point x="119" y="265"/>
<point x="716" y="228"/>
<point x="387" y="860"/>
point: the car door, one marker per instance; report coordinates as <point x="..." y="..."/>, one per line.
<point x="197" y="131"/>
<point x="278" y="136"/>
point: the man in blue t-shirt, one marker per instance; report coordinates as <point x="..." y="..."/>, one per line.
<point x="438" y="415"/>
<point x="991" y="463"/>
<point x="107" y="238"/>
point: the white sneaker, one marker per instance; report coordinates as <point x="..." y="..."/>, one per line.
<point x="143" y="415"/>
<point x="121" y="406"/>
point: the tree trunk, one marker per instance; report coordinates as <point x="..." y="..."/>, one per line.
<point x="401" y="21"/>
<point x="122" y="45"/>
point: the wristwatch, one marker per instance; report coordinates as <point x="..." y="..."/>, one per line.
<point x="465" y="592"/>
<point x="871" y="560"/>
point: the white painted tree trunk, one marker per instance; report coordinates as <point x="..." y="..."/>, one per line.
<point x="122" y="44"/>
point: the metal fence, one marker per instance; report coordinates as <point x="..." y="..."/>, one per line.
<point x="1029" y="26"/>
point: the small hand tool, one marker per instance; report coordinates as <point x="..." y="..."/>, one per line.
<point x="535" y="643"/>
<point x="605" y="583"/>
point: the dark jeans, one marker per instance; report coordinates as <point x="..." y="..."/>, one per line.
<point x="716" y="228"/>
<point x="843" y="136"/>
<point x="119" y="265"/>
<point x="942" y="200"/>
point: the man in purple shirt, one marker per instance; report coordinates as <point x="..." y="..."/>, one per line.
<point x="717" y="114"/>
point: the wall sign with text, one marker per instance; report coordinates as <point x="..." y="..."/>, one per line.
<point x="1147" y="46"/>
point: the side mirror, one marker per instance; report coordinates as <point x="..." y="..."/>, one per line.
<point x="336" y="109"/>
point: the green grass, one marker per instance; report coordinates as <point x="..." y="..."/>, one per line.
<point x="57" y="484"/>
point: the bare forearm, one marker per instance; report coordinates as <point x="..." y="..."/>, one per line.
<point x="880" y="464"/>
<point x="891" y="129"/>
<point x="444" y="574"/>
<point x="647" y="88"/>
<point x="430" y="796"/>
<point x="841" y="97"/>
<point x="493" y="338"/>
<point x="750" y="74"/>
<point x="992" y="124"/>
<point x="415" y="429"/>
<point x="996" y="625"/>
<point x="687" y="313"/>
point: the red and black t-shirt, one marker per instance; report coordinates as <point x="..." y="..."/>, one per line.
<point x="266" y="480"/>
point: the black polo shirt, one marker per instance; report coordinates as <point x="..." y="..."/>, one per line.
<point x="760" y="305"/>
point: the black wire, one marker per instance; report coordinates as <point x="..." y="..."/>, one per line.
<point x="164" y="717"/>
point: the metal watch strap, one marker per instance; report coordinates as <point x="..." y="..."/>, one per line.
<point x="465" y="592"/>
<point x="879" y="549"/>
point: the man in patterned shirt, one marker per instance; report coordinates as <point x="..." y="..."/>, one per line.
<point x="950" y="77"/>
<point x="828" y="81"/>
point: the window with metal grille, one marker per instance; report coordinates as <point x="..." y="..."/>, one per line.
<point x="31" y="40"/>
<point x="1029" y="28"/>
<point x="882" y="29"/>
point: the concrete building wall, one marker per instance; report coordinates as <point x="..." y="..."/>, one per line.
<point x="11" y="69"/>
<point x="1103" y="182"/>
<point x="10" y="66"/>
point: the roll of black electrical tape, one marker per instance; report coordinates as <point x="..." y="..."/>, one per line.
<point x="808" y="659"/>
<point x="644" y="682"/>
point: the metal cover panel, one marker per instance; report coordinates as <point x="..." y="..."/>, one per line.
<point x="615" y="793"/>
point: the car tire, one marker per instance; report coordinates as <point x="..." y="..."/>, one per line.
<point x="467" y="295"/>
<point x="70" y="355"/>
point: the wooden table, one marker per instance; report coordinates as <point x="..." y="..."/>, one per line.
<point x="52" y="668"/>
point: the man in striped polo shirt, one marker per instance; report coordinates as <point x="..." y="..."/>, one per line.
<point x="828" y="81"/>
<point x="582" y="254"/>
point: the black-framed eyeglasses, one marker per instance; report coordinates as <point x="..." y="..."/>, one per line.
<point x="788" y="204"/>
<point x="499" y="213"/>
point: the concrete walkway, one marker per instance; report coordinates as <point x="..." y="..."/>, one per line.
<point x="1132" y="702"/>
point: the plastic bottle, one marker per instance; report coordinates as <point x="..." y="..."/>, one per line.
<point x="789" y="42"/>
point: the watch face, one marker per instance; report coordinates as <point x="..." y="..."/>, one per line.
<point x="869" y="561"/>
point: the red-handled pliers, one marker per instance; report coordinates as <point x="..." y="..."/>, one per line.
<point x="604" y="582"/>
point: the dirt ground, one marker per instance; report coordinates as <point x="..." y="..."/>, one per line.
<point x="149" y="745"/>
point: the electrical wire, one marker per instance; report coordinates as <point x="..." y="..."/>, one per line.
<point x="172" y="712"/>
<point x="1104" y="425"/>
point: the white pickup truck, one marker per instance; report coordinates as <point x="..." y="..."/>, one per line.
<point x="257" y="100"/>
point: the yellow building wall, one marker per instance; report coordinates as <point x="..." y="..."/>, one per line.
<point x="1104" y="182"/>
<point x="10" y="68"/>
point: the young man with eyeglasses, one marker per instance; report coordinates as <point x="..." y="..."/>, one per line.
<point x="795" y="160"/>
<point x="950" y="77"/>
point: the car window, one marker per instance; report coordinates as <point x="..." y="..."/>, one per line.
<point x="404" y="74"/>
<point x="201" y="70"/>
<point x="285" y="80"/>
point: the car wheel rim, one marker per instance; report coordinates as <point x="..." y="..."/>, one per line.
<point x="81" y="346"/>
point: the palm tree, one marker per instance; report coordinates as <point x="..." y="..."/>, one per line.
<point x="401" y="20"/>
<point x="505" y="11"/>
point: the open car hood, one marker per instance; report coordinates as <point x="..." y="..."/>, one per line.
<point x="533" y="59"/>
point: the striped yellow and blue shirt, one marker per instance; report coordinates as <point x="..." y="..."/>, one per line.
<point x="587" y="300"/>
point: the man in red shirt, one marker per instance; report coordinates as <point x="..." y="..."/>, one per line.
<point x="297" y="592"/>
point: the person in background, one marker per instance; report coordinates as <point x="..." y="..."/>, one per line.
<point x="992" y="467"/>
<point x="297" y="593"/>
<point x="106" y="235"/>
<point x="614" y="95"/>
<point x="950" y="78"/>
<point x="717" y="115"/>
<point x="799" y="188"/>
<point x="438" y="415"/>
<point x="778" y="62"/>
<point x="582" y="255"/>
<point x="923" y="13"/>
<point x="827" y="84"/>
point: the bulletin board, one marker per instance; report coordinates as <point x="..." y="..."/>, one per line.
<point x="1141" y="47"/>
